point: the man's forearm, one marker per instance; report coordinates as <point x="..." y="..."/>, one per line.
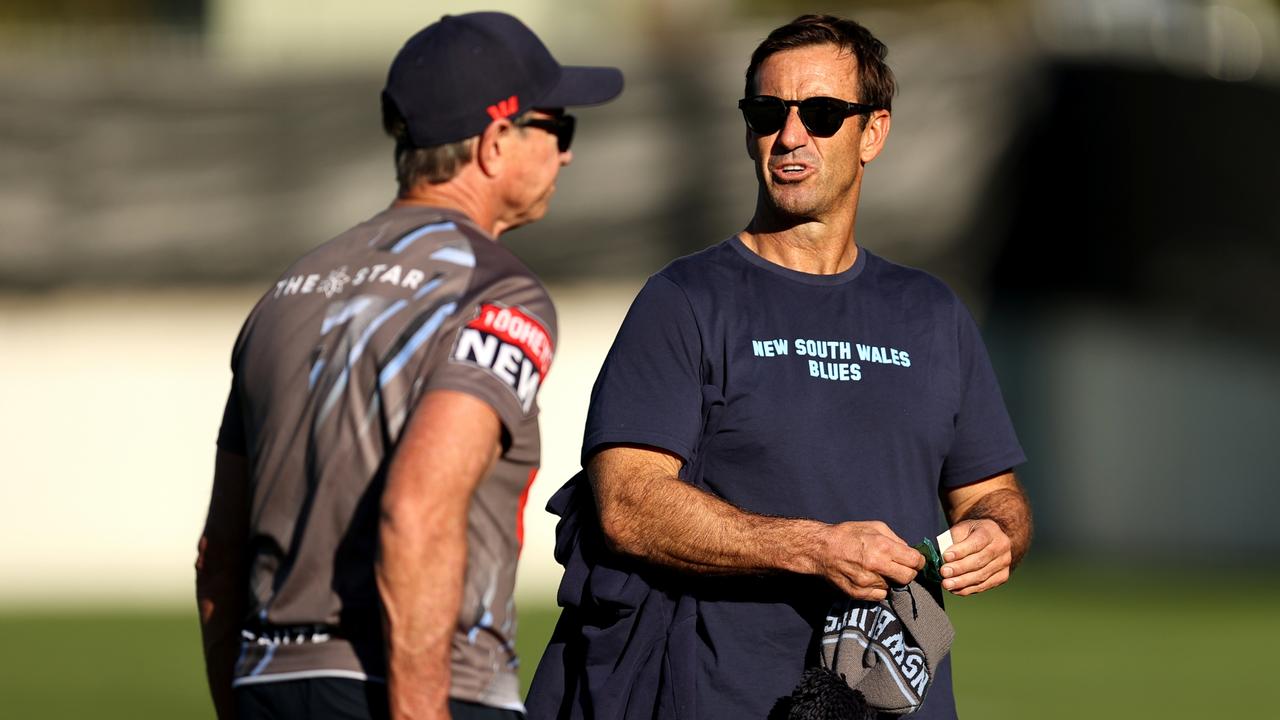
<point x="1008" y="508"/>
<point x="220" y="630"/>
<point x="420" y="569"/>
<point x="222" y="577"/>
<point x="648" y="512"/>
<point x="659" y="518"/>
<point x="221" y="603"/>
<point x="447" y="448"/>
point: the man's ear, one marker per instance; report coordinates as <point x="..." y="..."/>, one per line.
<point x="874" y="135"/>
<point x="491" y="154"/>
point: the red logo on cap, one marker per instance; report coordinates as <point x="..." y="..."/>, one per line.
<point x="504" y="108"/>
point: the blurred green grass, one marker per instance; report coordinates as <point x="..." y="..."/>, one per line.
<point x="1064" y="640"/>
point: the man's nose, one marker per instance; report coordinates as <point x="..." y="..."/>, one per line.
<point x="793" y="133"/>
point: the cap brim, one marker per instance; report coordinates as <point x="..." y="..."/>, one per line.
<point x="583" y="86"/>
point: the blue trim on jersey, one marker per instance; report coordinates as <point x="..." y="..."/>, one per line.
<point x="454" y="255"/>
<point x="412" y="237"/>
<point x="420" y="337"/>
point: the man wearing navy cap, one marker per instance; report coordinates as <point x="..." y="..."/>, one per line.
<point x="381" y="431"/>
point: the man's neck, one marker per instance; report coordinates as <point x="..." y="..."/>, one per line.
<point x="455" y="196"/>
<point x="808" y="246"/>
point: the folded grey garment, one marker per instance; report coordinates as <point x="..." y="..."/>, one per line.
<point x="890" y="650"/>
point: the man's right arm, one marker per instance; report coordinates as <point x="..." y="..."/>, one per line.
<point x="449" y="445"/>
<point x="648" y="512"/>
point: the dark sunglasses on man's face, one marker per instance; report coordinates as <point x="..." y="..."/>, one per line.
<point x="821" y="116"/>
<point x="561" y="126"/>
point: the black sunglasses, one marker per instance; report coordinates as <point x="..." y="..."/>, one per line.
<point x="821" y="116"/>
<point x="561" y="126"/>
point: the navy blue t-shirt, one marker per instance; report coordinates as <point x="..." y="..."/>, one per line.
<point x="854" y="396"/>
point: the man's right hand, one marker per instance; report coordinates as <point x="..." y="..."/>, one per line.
<point x="861" y="558"/>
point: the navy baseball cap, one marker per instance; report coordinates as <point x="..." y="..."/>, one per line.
<point x="459" y="74"/>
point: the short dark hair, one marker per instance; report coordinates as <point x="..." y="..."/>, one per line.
<point x="876" y="85"/>
<point x="415" y="165"/>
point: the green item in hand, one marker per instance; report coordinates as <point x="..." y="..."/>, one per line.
<point x="933" y="560"/>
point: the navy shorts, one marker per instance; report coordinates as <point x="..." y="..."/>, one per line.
<point x="338" y="699"/>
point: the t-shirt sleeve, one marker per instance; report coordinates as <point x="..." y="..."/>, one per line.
<point x="498" y="347"/>
<point x="231" y="433"/>
<point x="984" y="442"/>
<point x="649" y="391"/>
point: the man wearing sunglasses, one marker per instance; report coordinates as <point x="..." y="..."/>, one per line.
<point x="775" y="425"/>
<point x="382" y="426"/>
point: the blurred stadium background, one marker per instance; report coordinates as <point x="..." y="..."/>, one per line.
<point x="1097" y="178"/>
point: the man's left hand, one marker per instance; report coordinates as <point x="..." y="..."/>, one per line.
<point x="979" y="560"/>
<point x="991" y="530"/>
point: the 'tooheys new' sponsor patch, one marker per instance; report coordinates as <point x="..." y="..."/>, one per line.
<point x="512" y="345"/>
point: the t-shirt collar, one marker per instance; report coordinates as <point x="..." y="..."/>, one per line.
<point x="839" y="278"/>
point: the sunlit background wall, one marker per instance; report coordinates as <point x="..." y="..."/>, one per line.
<point x="1098" y="179"/>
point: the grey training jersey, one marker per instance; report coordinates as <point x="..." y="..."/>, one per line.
<point x="327" y="369"/>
